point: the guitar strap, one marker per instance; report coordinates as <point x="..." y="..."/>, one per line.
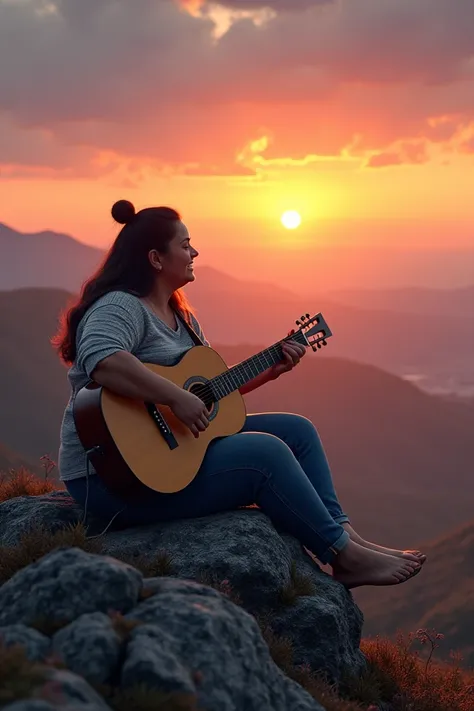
<point x="197" y="339"/>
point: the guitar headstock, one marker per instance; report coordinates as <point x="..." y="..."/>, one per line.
<point x="313" y="331"/>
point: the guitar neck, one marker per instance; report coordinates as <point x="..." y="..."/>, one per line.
<point x="244" y="372"/>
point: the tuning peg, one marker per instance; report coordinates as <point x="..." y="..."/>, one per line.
<point x="307" y="315"/>
<point x="314" y="348"/>
<point x="319" y="345"/>
<point x="303" y="318"/>
<point x="325" y="343"/>
<point x="298" y="323"/>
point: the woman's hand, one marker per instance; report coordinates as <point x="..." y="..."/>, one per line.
<point x="191" y="411"/>
<point x="292" y="354"/>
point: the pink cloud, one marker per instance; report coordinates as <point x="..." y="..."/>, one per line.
<point x="146" y="81"/>
<point x="412" y="153"/>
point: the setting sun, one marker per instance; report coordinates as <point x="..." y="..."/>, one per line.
<point x="291" y="219"/>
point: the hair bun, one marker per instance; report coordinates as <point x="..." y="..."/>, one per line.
<point x="123" y="212"/>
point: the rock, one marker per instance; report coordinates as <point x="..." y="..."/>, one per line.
<point x="68" y="583"/>
<point x="89" y="646"/>
<point x="36" y="645"/>
<point x="196" y="640"/>
<point x="30" y="705"/>
<point x="238" y="552"/>
<point x="53" y="511"/>
<point x="61" y="690"/>
<point x="243" y="548"/>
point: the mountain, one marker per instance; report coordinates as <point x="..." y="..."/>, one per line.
<point x="44" y="259"/>
<point x="434" y="352"/>
<point x="402" y="459"/>
<point x="427" y="302"/>
<point x="441" y="597"/>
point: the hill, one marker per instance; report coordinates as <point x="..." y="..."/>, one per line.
<point x="44" y="259"/>
<point x="402" y="459"/>
<point x="442" y="597"/>
<point x="427" y="302"/>
<point x="385" y="330"/>
<point x="435" y="352"/>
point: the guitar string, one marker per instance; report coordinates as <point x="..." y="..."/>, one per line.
<point x="220" y="384"/>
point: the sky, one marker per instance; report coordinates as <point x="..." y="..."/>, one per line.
<point x="359" y="114"/>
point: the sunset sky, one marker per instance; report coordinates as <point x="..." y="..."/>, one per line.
<point x="355" y="113"/>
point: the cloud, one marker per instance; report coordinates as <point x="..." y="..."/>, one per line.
<point x="147" y="81"/>
<point x="278" y="5"/>
<point x="414" y="153"/>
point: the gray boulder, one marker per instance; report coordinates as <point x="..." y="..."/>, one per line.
<point x="179" y="637"/>
<point x="68" y="583"/>
<point x="239" y="553"/>
<point x="36" y="645"/>
<point x="90" y="646"/>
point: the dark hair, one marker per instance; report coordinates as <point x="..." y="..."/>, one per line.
<point x="126" y="267"/>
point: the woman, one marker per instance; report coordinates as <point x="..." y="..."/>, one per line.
<point x="127" y="315"/>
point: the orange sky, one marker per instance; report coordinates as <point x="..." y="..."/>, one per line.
<point x="346" y="111"/>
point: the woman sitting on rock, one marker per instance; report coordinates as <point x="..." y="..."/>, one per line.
<point x="127" y="316"/>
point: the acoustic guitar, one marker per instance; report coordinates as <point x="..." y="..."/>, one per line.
<point x="129" y="441"/>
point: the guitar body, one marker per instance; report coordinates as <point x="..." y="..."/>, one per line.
<point x="125" y="439"/>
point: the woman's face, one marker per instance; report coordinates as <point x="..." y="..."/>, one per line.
<point x="175" y="266"/>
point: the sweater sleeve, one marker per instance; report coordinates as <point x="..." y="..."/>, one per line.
<point x="106" y="329"/>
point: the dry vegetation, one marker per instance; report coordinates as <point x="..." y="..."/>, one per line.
<point x="398" y="676"/>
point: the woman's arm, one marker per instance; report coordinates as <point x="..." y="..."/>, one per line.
<point x="127" y="376"/>
<point x="257" y="382"/>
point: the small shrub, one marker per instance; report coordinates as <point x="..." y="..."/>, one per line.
<point x="21" y="482"/>
<point x="412" y="683"/>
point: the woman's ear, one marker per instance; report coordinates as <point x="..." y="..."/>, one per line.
<point x="155" y="261"/>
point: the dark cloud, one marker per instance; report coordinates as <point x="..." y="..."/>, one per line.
<point x="145" y="78"/>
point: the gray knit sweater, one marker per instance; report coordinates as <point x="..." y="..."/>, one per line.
<point x="117" y="321"/>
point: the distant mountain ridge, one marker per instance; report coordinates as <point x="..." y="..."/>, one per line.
<point x="428" y="302"/>
<point x="433" y="348"/>
<point x="44" y="259"/>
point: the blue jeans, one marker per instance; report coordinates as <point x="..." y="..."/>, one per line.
<point x="276" y="461"/>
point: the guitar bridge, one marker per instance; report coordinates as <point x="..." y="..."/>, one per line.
<point x="161" y="425"/>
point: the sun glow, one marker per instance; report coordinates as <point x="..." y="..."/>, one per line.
<point x="291" y="219"/>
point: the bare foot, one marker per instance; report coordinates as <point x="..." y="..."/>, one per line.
<point x="416" y="556"/>
<point x="356" y="565"/>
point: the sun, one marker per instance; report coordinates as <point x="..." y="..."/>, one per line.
<point x="291" y="219"/>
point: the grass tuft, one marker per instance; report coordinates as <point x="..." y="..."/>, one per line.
<point x="299" y="585"/>
<point x="21" y="482"/>
<point x="156" y="566"/>
<point x="212" y="580"/>
<point x="37" y="542"/>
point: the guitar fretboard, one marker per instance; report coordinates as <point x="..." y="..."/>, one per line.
<point x="244" y="372"/>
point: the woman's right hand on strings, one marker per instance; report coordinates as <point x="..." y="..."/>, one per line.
<point x="191" y="411"/>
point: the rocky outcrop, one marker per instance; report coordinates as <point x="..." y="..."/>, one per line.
<point x="110" y="623"/>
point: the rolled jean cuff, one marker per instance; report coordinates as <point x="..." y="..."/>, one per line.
<point x="336" y="548"/>
<point x="341" y="518"/>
